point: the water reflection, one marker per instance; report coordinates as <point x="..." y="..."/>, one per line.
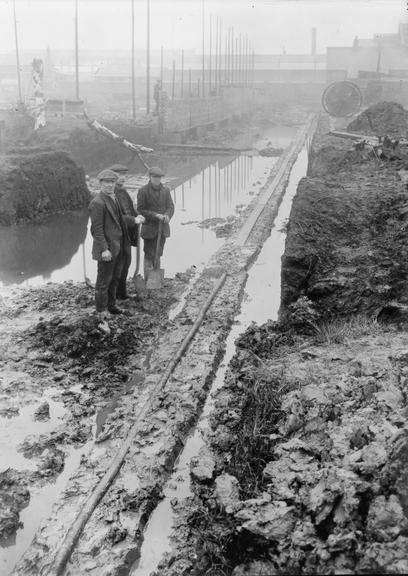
<point x="40" y="249"/>
<point x="60" y="249"/>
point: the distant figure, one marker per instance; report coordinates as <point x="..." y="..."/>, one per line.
<point x="109" y="233"/>
<point x="155" y="203"/>
<point x="132" y="220"/>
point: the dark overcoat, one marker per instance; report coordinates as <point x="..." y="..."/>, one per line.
<point x="151" y="202"/>
<point x="128" y="211"/>
<point x="107" y="226"/>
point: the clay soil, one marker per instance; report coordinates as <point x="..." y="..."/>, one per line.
<point x="305" y="469"/>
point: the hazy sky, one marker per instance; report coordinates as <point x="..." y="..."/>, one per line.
<point x="272" y="25"/>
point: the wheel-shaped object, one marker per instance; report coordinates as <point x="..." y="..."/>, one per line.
<point x="342" y="99"/>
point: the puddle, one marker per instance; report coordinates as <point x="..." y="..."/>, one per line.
<point x="261" y="302"/>
<point x="59" y="249"/>
<point x="13" y="430"/>
<point x="41" y="502"/>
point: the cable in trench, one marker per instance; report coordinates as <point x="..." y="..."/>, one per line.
<point x="74" y="532"/>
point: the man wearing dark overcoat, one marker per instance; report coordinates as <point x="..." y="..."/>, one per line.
<point x="109" y="233"/>
<point x="155" y="203"/>
<point x="132" y="220"/>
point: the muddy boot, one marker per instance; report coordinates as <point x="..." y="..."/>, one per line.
<point x="147" y="266"/>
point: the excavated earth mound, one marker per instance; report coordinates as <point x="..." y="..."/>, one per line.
<point x="346" y="248"/>
<point x="35" y="183"/>
<point x="384" y="118"/>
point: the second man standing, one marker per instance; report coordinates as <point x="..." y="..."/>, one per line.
<point x="155" y="203"/>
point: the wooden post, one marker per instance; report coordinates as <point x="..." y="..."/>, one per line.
<point x="133" y="61"/>
<point x="173" y="80"/>
<point x="226" y="59"/>
<point x="220" y="55"/>
<point x="182" y="74"/>
<point x="236" y="61"/>
<point x="148" y="60"/>
<point x="232" y="55"/>
<point x="216" y="57"/>
<point x="246" y="60"/>
<point x="189" y="95"/>
<point x="209" y="61"/>
<point x="76" y="53"/>
<point x="161" y="67"/>
<point x="203" y="45"/>
<point x="240" y="59"/>
<point x="20" y="97"/>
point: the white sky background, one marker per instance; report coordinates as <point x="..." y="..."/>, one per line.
<point x="271" y="25"/>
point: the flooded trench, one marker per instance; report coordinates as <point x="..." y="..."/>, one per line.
<point x="215" y="192"/>
<point x="59" y="249"/>
<point x="261" y="302"/>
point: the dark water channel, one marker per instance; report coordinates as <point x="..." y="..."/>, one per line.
<point x="261" y="302"/>
<point x="59" y="249"/>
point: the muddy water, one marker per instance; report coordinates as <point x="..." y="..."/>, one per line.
<point x="13" y="430"/>
<point x="41" y="501"/>
<point x="59" y="249"/>
<point x="261" y="302"/>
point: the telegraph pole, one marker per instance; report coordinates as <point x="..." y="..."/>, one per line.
<point x="182" y="73"/>
<point x="148" y="60"/>
<point x="210" y="64"/>
<point x="17" y="54"/>
<point x="203" y="63"/>
<point x="133" y="61"/>
<point x="76" y="53"/>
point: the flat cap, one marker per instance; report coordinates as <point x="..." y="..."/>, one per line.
<point x="155" y="171"/>
<point x="108" y="175"/>
<point x="119" y="168"/>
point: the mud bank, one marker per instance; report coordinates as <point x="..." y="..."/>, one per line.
<point x="346" y="247"/>
<point x="35" y="183"/>
<point x="112" y="538"/>
<point x="307" y="473"/>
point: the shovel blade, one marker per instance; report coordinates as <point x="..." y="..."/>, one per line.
<point x="155" y="279"/>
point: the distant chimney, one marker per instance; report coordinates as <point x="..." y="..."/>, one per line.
<point x="314" y="31"/>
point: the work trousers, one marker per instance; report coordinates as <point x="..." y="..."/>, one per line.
<point x="149" y="249"/>
<point x="126" y="260"/>
<point x="107" y="281"/>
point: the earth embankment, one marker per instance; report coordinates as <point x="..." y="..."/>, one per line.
<point x="38" y="182"/>
<point x="346" y="247"/>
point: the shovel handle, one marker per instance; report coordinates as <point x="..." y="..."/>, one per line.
<point x="139" y="227"/>
<point x="156" y="255"/>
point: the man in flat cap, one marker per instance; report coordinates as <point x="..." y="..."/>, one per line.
<point x="132" y="220"/>
<point x="155" y="203"/>
<point x="109" y="232"/>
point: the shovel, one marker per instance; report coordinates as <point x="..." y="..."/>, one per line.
<point x="138" y="280"/>
<point x="156" y="276"/>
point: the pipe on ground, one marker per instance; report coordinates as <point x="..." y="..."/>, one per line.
<point x="73" y="534"/>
